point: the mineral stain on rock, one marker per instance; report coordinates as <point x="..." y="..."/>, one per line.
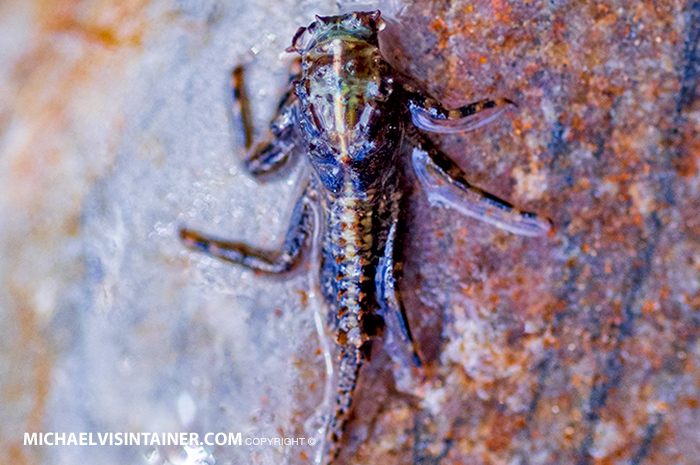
<point x="576" y="348"/>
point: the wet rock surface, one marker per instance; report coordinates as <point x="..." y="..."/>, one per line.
<point x="579" y="347"/>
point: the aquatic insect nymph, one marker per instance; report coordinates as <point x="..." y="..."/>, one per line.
<point x="349" y="112"/>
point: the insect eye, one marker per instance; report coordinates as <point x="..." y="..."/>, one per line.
<point x="302" y="38"/>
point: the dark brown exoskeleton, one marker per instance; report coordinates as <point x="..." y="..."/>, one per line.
<point x="349" y="112"/>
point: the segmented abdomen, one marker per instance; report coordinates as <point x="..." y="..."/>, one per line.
<point x="351" y="235"/>
<point x="357" y="228"/>
<point x="350" y="272"/>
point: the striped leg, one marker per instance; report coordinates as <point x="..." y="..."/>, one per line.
<point x="446" y="184"/>
<point x="266" y="261"/>
<point x="268" y="158"/>
<point x="430" y="115"/>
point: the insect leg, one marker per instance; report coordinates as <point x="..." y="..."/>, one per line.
<point x="268" y="158"/>
<point x="446" y="184"/>
<point x="398" y="341"/>
<point x="266" y="261"/>
<point x="240" y="96"/>
<point x="429" y="115"/>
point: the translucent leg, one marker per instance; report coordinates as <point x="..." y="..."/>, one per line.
<point x="445" y="184"/>
<point x="398" y="341"/>
<point x="430" y="115"/>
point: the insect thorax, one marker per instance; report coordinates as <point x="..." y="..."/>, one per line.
<point x="346" y="113"/>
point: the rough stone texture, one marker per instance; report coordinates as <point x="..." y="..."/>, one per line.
<point x="580" y="347"/>
<point x="575" y="348"/>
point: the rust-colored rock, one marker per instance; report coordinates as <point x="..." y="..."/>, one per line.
<point x="577" y="348"/>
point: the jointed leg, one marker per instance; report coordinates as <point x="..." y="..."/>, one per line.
<point x="267" y="261"/>
<point x="398" y="341"/>
<point x="268" y="157"/>
<point x="429" y="115"/>
<point x="240" y="96"/>
<point x="446" y="184"/>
